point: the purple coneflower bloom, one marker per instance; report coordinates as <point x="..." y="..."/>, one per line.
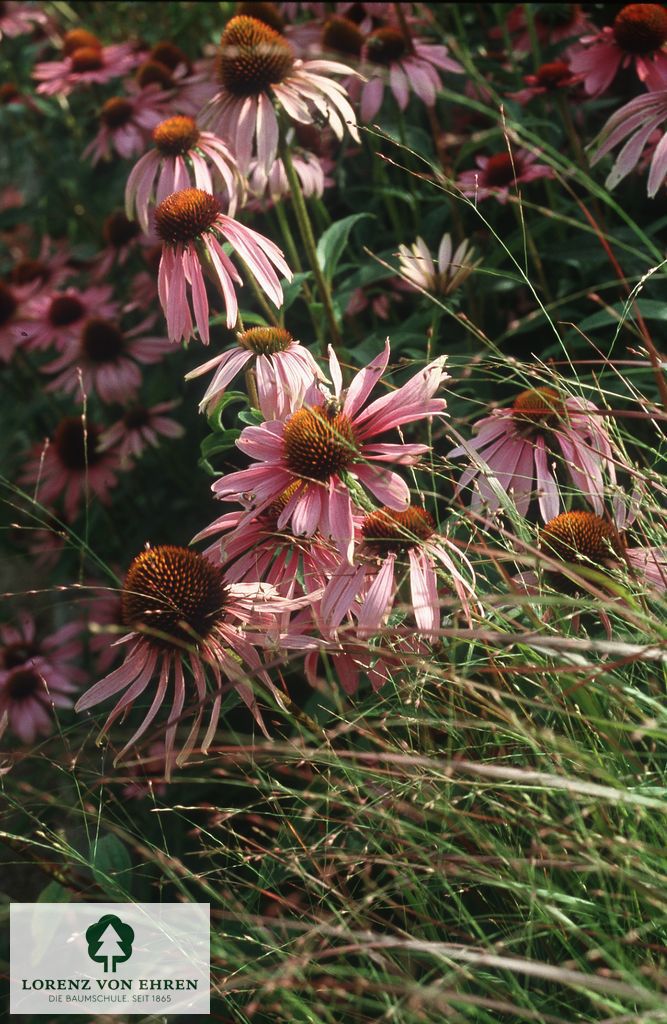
<point x="104" y="359"/>
<point x="140" y="428"/>
<point x="181" y="613"/>
<point x="57" y="318"/>
<point x="36" y="675"/>
<point x="85" y="62"/>
<point x="583" y="538"/>
<point x="31" y="276"/>
<point x="256" y="549"/>
<point x="125" y="122"/>
<point x="637" y="37"/>
<point x="72" y="466"/>
<point x="549" y="78"/>
<point x="636" y="122"/>
<point x="15" y="320"/>
<point x="406" y="64"/>
<point x="284" y="370"/>
<point x="180" y="159"/>
<point x="369" y="588"/>
<point x="191" y="220"/>
<point x="380" y="662"/>
<point x="256" y="66"/>
<point x="499" y="173"/>
<point x="17" y="19"/>
<point x="326" y="439"/>
<point x="518" y="445"/>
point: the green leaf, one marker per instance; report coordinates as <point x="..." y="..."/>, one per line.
<point x="251" y="416"/>
<point x="112" y="866"/>
<point x="215" y="416"/>
<point x="219" y="442"/>
<point x="650" y="309"/>
<point x="293" y="290"/>
<point x="332" y="243"/>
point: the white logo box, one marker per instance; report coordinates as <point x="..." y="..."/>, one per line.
<point x="124" y="958"/>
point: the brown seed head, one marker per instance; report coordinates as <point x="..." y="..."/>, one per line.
<point x="176" y="136"/>
<point x="342" y="36"/>
<point x="388" y="530"/>
<point x="252" y="57"/>
<point x="87" y="58"/>
<point x="174" y="591"/>
<point x="77" y="39"/>
<point x="641" y="28"/>
<point x="186" y="215"/>
<point x="317" y="445"/>
<point x="265" y="12"/>
<point x="65" y="310"/>
<point x="76" y="447"/>
<point x="386" y="46"/>
<point x="265" y="340"/>
<point x="102" y="341"/>
<point x="116" y="112"/>
<point x="8" y="304"/>
<point x="539" y="407"/>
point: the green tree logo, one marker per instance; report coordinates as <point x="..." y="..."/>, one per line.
<point x="110" y="941"/>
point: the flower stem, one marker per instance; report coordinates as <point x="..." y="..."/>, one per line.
<point x="303" y="220"/>
<point x="251" y="387"/>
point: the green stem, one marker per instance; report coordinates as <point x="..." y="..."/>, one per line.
<point x="288" y="237"/>
<point x="263" y="302"/>
<point x="303" y="220"/>
<point x="251" y="385"/>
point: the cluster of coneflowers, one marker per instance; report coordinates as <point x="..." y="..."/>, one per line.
<point x="325" y="553"/>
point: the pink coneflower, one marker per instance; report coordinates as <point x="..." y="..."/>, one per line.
<point x="326" y="440"/>
<point x="17" y="19"/>
<point x="182" y="615"/>
<point x="406" y="64"/>
<point x="36" y="675"/>
<point x="549" y="78"/>
<point x="89" y="63"/>
<point x="57" y="318"/>
<point x="168" y="67"/>
<point x="256" y="549"/>
<point x="380" y="662"/>
<point x="582" y="538"/>
<point x="636" y="122"/>
<point x="518" y="445"/>
<point x="31" y="276"/>
<point x="284" y="370"/>
<point x="553" y="23"/>
<point x="141" y="427"/>
<point x="178" y="161"/>
<point x="125" y="122"/>
<point x="501" y="172"/>
<point x="15" y="321"/>
<point x="104" y="359"/>
<point x="192" y="227"/>
<point x="636" y="38"/>
<point x="71" y="466"/>
<point x="369" y="588"/>
<point x="454" y="265"/>
<point x="121" y="238"/>
<point x="256" y="66"/>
